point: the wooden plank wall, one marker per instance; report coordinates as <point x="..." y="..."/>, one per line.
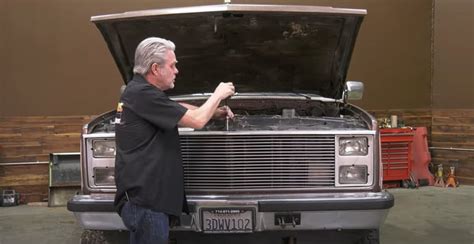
<point x="30" y="180"/>
<point x="25" y="145"/>
<point x="33" y="138"/>
<point x="450" y="137"/>
<point x="413" y="117"/>
<point x="452" y="141"/>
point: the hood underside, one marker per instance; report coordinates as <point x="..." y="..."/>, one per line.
<point x="261" y="48"/>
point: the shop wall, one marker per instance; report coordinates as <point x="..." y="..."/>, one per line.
<point x="54" y="61"/>
<point x="453" y="87"/>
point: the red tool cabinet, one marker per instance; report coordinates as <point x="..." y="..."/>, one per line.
<point x="397" y="156"/>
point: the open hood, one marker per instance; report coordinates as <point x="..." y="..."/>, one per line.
<point x="261" y="48"/>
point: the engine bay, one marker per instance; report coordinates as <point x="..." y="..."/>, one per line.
<point x="269" y="115"/>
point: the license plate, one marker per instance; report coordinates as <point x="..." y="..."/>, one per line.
<point x="227" y="220"/>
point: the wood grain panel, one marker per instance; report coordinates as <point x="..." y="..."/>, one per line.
<point x="453" y="141"/>
<point x="410" y="117"/>
<point x="32" y="139"/>
<point x="31" y="180"/>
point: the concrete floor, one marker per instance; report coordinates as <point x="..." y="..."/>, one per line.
<point x="425" y="215"/>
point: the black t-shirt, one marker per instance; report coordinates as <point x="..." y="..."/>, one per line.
<point x="148" y="164"/>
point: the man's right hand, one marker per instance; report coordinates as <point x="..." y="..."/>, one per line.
<point x="198" y="117"/>
<point x="225" y="90"/>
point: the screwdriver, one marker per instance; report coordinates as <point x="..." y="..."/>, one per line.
<point x="226" y="117"/>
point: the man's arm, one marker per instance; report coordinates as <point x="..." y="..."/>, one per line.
<point x="220" y="113"/>
<point x="188" y="106"/>
<point x="197" y="117"/>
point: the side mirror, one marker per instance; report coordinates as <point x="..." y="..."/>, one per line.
<point x="354" y="90"/>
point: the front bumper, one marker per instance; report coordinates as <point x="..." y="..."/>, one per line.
<point x="365" y="210"/>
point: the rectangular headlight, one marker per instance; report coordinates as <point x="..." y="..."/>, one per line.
<point x="353" y="146"/>
<point x="104" y="176"/>
<point x="103" y="148"/>
<point x="353" y="174"/>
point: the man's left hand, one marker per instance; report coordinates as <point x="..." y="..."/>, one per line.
<point x="223" y="112"/>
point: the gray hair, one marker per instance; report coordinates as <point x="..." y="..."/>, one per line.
<point x="149" y="51"/>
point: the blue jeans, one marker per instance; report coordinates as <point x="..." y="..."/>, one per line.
<point x="145" y="226"/>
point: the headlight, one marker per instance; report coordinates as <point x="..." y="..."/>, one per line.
<point x="103" y="148"/>
<point x="104" y="176"/>
<point x="353" y="174"/>
<point x="350" y="146"/>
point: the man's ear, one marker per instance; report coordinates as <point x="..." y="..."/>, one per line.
<point x="155" y="68"/>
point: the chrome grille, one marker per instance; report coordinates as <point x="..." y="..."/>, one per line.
<point x="257" y="162"/>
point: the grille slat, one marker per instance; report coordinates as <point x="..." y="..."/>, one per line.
<point x="234" y="153"/>
<point x="219" y="168"/>
<point x="264" y="165"/>
<point x="196" y="159"/>
<point x="257" y="162"/>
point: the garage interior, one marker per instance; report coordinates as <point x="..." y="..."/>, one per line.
<point x="414" y="57"/>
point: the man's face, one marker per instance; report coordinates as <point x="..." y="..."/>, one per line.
<point x="167" y="72"/>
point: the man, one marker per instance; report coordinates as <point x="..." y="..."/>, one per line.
<point x="148" y="167"/>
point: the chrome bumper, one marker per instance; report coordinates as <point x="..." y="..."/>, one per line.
<point x="365" y="210"/>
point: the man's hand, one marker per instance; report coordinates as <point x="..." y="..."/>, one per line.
<point x="198" y="117"/>
<point x="223" y="112"/>
<point x="225" y="90"/>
